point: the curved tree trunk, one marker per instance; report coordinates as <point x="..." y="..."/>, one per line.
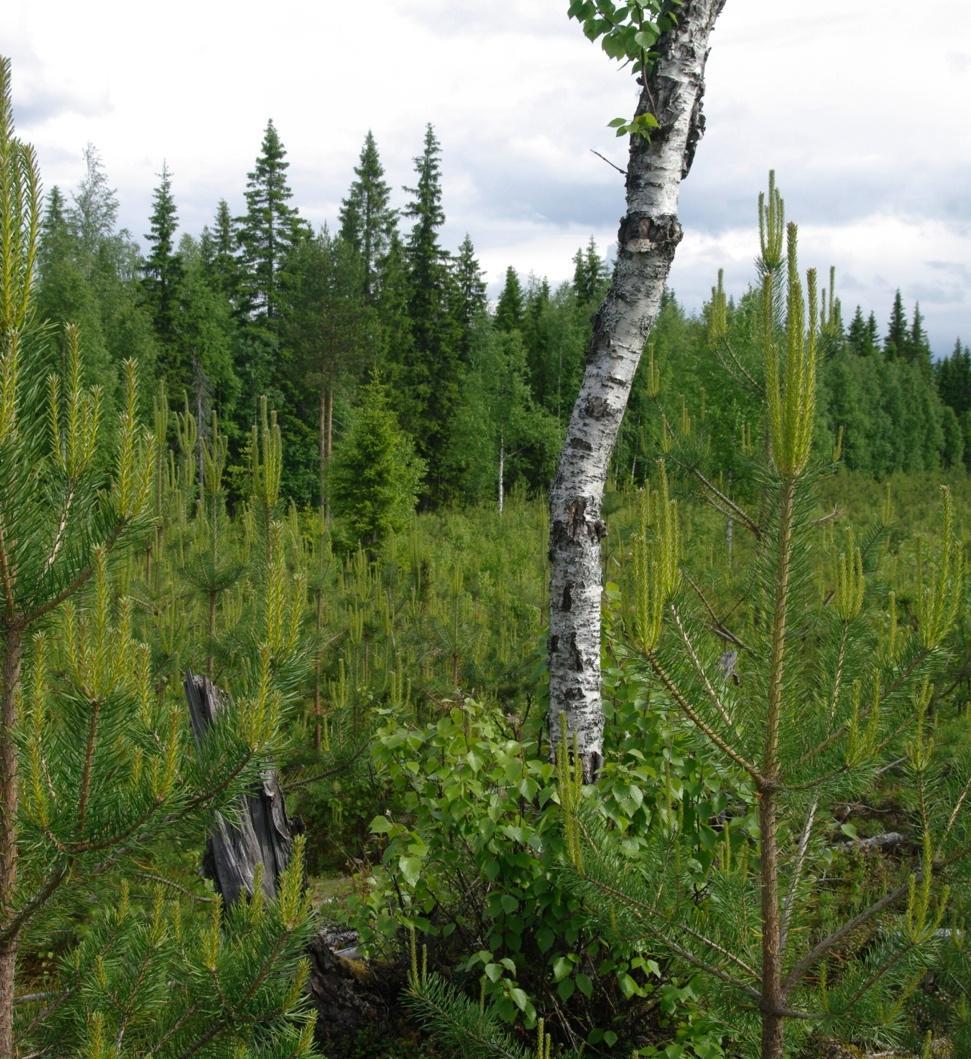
<point x="648" y="237"/>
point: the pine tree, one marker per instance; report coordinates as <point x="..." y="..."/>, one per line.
<point x="367" y="221"/>
<point x="163" y="266"/>
<point x="510" y="309"/>
<point x="758" y="931"/>
<point x="98" y="784"/>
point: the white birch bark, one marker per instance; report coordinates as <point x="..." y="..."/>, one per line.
<point x="502" y="473"/>
<point x="648" y="237"/>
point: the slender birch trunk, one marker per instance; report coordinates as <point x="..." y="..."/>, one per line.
<point x="502" y="473"/>
<point x="648" y="237"/>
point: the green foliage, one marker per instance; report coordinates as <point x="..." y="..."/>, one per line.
<point x="367" y="220"/>
<point x="100" y="784"/>
<point x="629" y="33"/>
<point x="163" y="266"/>
<point x="815" y="728"/>
<point x="375" y="475"/>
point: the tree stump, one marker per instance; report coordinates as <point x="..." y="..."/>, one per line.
<point x="262" y="834"/>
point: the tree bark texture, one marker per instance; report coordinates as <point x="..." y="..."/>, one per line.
<point x="262" y="834"/>
<point x="649" y="234"/>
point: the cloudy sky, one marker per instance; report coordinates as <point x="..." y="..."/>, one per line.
<point x="860" y="105"/>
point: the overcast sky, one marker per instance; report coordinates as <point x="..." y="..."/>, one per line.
<point x="862" y="107"/>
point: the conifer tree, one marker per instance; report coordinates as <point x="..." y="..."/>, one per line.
<point x="204" y="336"/>
<point x="163" y="266"/>
<point x="590" y="275"/>
<point x="220" y="255"/>
<point x="269" y="227"/>
<point x="859" y="335"/>
<point x="367" y="220"/>
<point x="500" y="438"/>
<point x="897" y="341"/>
<point x="88" y="277"/>
<point x="863" y="691"/>
<point x="375" y="475"/>
<point x="397" y="338"/>
<point x="918" y="347"/>
<point x="468" y="294"/>
<point x="953" y="375"/>
<point x="426" y="257"/>
<point x="433" y="370"/>
<point x="97" y="780"/>
<point x="64" y="290"/>
<point x="510" y="309"/>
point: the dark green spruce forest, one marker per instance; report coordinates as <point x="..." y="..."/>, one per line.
<point x="301" y="476"/>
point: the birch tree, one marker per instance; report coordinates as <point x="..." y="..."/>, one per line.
<point x="668" y="45"/>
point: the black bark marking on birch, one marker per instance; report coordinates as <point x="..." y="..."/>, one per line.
<point x="697" y="130"/>
<point x="575" y="655"/>
<point x="567" y="603"/>
<point x="597" y="408"/>
<point x="554" y="644"/>
<point x="581" y="444"/>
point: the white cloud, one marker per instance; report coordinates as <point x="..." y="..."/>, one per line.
<point x="859" y="106"/>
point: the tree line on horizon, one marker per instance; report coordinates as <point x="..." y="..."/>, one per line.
<point x="377" y="318"/>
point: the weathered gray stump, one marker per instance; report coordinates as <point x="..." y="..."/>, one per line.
<point x="262" y="834"/>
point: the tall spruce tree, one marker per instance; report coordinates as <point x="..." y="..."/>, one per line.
<point x="162" y="269"/>
<point x="897" y="341"/>
<point x="918" y="346"/>
<point x="434" y="370"/>
<point x="510" y="309"/>
<point x="220" y="254"/>
<point x="367" y="220"/>
<point x="468" y="294"/>
<point x="269" y="228"/>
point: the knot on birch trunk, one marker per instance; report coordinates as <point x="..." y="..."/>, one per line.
<point x="641" y="233"/>
<point x="574" y="527"/>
